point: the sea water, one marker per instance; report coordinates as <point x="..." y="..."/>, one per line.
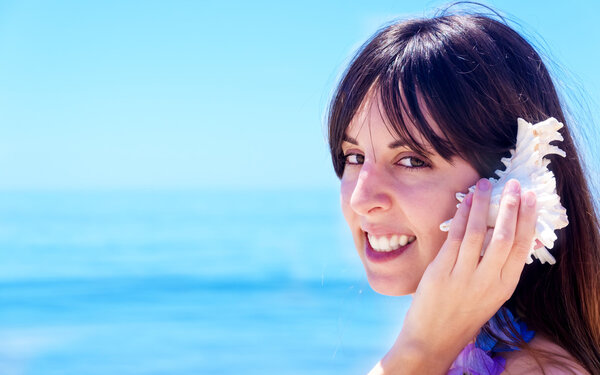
<point x="185" y="282"/>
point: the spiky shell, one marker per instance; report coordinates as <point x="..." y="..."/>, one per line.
<point x="528" y="165"/>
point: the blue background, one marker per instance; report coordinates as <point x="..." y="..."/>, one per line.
<point x="167" y="203"/>
<point x="194" y="94"/>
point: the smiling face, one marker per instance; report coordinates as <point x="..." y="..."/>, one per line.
<point x="394" y="201"/>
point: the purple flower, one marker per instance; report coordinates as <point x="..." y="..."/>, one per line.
<point x="474" y="361"/>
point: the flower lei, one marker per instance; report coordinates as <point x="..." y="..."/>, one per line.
<point x="480" y="358"/>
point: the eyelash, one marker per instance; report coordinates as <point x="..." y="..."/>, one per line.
<point x="425" y="164"/>
<point x="353" y="154"/>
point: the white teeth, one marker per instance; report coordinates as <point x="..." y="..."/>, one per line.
<point x="373" y="241"/>
<point x="386" y="244"/>
<point x="394" y="242"/>
<point x="403" y="240"/>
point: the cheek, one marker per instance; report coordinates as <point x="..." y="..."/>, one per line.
<point x="352" y="219"/>
<point x="443" y="206"/>
<point x="346" y="190"/>
<point x="438" y="202"/>
<point x="430" y="202"/>
<point x="434" y="213"/>
<point x="427" y="206"/>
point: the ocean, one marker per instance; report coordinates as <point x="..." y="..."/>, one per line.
<point x="185" y="282"/>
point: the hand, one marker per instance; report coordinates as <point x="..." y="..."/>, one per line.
<point x="462" y="289"/>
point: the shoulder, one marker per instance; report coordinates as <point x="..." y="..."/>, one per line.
<point x="520" y="362"/>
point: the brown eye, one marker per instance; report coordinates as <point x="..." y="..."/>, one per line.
<point x="354" y="159"/>
<point x="412" y="162"/>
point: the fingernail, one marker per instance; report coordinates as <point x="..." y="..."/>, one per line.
<point x="514" y="186"/>
<point x="530" y="199"/>
<point x="484" y="184"/>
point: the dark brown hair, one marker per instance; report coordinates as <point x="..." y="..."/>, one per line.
<point x="475" y="75"/>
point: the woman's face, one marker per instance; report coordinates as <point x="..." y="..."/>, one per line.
<point x="394" y="201"/>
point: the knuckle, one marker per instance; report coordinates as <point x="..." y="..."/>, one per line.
<point x="477" y="228"/>
<point x="511" y="202"/>
<point x="454" y="237"/>
<point x="454" y="242"/>
<point x="481" y="199"/>
<point x="474" y="239"/>
<point x="506" y="288"/>
<point x="521" y="248"/>
<point x="508" y="282"/>
<point x="506" y="293"/>
<point x="503" y="237"/>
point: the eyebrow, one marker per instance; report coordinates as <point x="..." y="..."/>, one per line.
<point x="396" y="144"/>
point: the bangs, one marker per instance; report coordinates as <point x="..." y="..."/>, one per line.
<point x="404" y="114"/>
<point x="408" y="118"/>
<point x="444" y="85"/>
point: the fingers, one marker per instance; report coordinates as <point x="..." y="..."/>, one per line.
<point x="470" y="249"/>
<point x="449" y="251"/>
<point x="487" y="240"/>
<point x="506" y="246"/>
<point x="524" y="238"/>
<point x="504" y="231"/>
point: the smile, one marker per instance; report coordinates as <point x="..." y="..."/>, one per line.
<point x="390" y="242"/>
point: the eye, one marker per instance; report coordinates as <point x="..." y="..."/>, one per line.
<point x="412" y="162"/>
<point x="354" y="159"/>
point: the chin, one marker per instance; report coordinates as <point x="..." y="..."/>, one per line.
<point x="391" y="286"/>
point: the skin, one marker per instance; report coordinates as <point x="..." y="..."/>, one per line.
<point x="456" y="290"/>
<point x="389" y="194"/>
<point x="519" y="362"/>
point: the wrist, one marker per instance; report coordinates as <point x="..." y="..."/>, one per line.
<point x="409" y="356"/>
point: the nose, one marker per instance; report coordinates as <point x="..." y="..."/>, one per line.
<point x="371" y="194"/>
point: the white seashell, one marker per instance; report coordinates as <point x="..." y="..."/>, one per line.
<point x="528" y="166"/>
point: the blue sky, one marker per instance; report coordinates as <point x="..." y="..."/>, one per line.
<point x="206" y="94"/>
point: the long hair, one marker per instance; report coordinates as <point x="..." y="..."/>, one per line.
<point x="475" y="76"/>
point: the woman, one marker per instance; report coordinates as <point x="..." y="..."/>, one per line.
<point x="427" y="108"/>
